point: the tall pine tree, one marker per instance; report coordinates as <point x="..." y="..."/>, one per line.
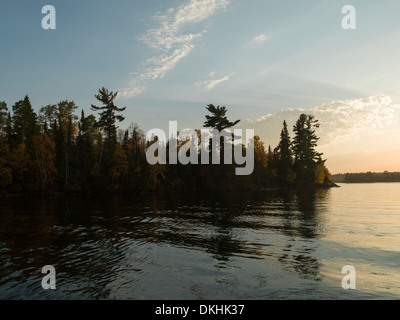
<point x="108" y="113"/>
<point x="24" y="120"/>
<point x="284" y="158"/>
<point x="304" y="143"/>
<point x="108" y="117"/>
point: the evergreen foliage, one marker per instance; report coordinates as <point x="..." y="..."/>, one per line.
<point x="57" y="151"/>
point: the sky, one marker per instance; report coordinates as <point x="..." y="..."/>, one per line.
<point x="266" y="61"/>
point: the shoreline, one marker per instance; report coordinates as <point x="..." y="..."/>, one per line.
<point x="159" y="192"/>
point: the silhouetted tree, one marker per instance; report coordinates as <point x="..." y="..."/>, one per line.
<point x="107" y="112"/>
<point x="304" y="144"/>
<point x="125" y="140"/>
<point x="24" y="120"/>
<point x="260" y="174"/>
<point x="58" y="151"/>
<point x="218" y="119"/>
<point x="108" y="118"/>
<point x="285" y="174"/>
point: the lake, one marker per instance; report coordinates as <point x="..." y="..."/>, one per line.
<point x="260" y="245"/>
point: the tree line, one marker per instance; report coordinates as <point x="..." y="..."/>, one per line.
<point x="367" y="177"/>
<point x="57" y="150"/>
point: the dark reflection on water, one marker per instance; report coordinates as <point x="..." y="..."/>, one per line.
<point x="243" y="246"/>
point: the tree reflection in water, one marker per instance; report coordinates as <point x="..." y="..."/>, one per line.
<point x="93" y="241"/>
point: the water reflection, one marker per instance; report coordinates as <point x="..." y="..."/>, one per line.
<point x="101" y="245"/>
<point x="302" y="224"/>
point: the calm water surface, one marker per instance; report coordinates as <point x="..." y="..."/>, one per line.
<point x="260" y="245"/>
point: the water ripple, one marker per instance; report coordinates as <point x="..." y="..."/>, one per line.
<point x="266" y="245"/>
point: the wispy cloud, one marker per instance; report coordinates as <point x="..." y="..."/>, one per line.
<point x="170" y="41"/>
<point x="347" y="127"/>
<point x="338" y="119"/>
<point x="261" y="38"/>
<point x="212" y="83"/>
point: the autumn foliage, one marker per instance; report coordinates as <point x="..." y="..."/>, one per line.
<point x="55" y="150"/>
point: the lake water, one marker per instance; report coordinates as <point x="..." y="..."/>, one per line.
<point x="246" y="246"/>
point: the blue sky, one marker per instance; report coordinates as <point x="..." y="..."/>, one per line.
<point x="169" y="59"/>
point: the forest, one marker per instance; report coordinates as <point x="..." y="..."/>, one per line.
<point x="62" y="150"/>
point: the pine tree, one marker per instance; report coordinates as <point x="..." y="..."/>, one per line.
<point x="108" y="118"/>
<point x="24" y="120"/>
<point x="218" y="119"/>
<point x="125" y="141"/>
<point x="107" y="113"/>
<point x="260" y="177"/>
<point x="284" y="158"/>
<point x="304" y="144"/>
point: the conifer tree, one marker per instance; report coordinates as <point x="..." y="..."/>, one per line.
<point x="218" y="119"/>
<point x="24" y="120"/>
<point x="107" y="112"/>
<point x="284" y="158"/>
<point x="304" y="144"/>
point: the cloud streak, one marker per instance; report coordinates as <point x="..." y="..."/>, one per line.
<point x="259" y="39"/>
<point x="212" y="83"/>
<point x="339" y="118"/>
<point x="170" y="41"/>
<point x="349" y="129"/>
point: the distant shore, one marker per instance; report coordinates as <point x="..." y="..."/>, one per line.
<point x="367" y="177"/>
